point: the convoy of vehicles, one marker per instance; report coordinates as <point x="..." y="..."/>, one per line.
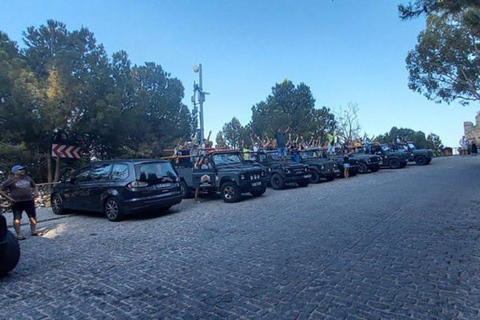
<point x="121" y="187"/>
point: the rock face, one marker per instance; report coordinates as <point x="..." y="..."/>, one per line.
<point x="472" y="131"/>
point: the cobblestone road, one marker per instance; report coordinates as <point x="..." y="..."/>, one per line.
<point x="396" y="244"/>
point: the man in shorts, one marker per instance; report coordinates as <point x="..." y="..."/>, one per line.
<point x="281" y="139"/>
<point x="22" y="191"/>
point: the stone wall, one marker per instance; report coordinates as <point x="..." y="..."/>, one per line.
<point x="471" y="131"/>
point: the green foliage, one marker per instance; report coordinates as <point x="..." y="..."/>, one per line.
<point x="417" y="137"/>
<point x="291" y="106"/>
<point x="65" y="80"/>
<point x="445" y="64"/>
<point x="435" y="143"/>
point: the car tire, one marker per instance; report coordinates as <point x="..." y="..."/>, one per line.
<point x="277" y="182"/>
<point x="186" y="192"/>
<point x="421" y="160"/>
<point x="230" y="192"/>
<point x="315" y="178"/>
<point x="58" y="205"/>
<point x="362" y="167"/>
<point x="113" y="210"/>
<point x="303" y="183"/>
<point x="10" y="255"/>
<point x="258" y="192"/>
<point x="394" y="164"/>
<point x="330" y="178"/>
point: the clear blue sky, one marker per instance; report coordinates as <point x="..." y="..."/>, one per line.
<point x="345" y="50"/>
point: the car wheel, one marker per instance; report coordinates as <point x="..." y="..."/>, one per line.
<point x="230" y="192"/>
<point x="277" y="182"/>
<point x="10" y="255"/>
<point x="315" y="178"/>
<point x="303" y="183"/>
<point x="421" y="160"/>
<point x="58" y="205"/>
<point x="112" y="210"/>
<point x="258" y="192"/>
<point x="362" y="167"/>
<point x="394" y="163"/>
<point x="186" y="193"/>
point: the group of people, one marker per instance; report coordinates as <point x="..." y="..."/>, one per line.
<point x="22" y="192"/>
<point x="465" y="144"/>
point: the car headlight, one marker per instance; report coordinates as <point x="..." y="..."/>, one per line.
<point x="288" y="171"/>
<point x="322" y="167"/>
<point x="242" y="177"/>
<point x="369" y="160"/>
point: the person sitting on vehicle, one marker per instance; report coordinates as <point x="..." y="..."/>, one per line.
<point x="205" y="164"/>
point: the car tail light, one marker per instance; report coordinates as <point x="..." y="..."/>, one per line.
<point x="137" y="184"/>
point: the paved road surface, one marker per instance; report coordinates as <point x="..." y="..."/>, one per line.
<point x="396" y="244"/>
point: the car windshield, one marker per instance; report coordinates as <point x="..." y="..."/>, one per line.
<point x="155" y="172"/>
<point x="411" y="146"/>
<point x="310" y="154"/>
<point x="227" y="158"/>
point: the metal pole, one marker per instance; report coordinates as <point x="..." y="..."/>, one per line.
<point x="201" y="98"/>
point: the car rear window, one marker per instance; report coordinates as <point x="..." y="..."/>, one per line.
<point x="155" y="172"/>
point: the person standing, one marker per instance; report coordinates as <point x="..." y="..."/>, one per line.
<point x="280" y="136"/>
<point x="346" y="163"/>
<point x="23" y="191"/>
<point x="474" y="148"/>
<point x="464" y="145"/>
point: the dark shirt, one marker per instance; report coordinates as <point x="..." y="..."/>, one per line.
<point x="280" y="140"/>
<point x="345" y="159"/>
<point x="20" y="187"/>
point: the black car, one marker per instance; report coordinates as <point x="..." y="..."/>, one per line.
<point x="118" y="188"/>
<point x="9" y="248"/>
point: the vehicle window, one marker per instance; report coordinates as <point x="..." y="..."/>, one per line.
<point x="226" y="158"/>
<point x="83" y="175"/>
<point x="262" y="157"/>
<point x="101" y="172"/>
<point x="119" y="171"/>
<point x="411" y="145"/>
<point x="155" y="172"/>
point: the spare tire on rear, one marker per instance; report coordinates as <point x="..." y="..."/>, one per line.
<point x="9" y="253"/>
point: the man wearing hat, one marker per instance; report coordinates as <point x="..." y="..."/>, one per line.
<point x="22" y="194"/>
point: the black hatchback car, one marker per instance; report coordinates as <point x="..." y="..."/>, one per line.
<point x="118" y="188"/>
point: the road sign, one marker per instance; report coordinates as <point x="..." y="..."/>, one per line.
<point x="64" y="151"/>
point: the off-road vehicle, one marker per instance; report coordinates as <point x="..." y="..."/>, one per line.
<point x="394" y="159"/>
<point x="222" y="171"/>
<point x="9" y="248"/>
<point x="354" y="165"/>
<point x="281" y="173"/>
<point x="367" y="162"/>
<point x="320" y="168"/>
<point x="420" y="156"/>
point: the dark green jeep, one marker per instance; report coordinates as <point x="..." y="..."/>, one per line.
<point x="420" y="156"/>
<point x="394" y="159"/>
<point x="281" y="173"/>
<point x="320" y="168"/>
<point x="222" y="171"/>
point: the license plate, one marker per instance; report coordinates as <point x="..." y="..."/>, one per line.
<point x="307" y="176"/>
<point x="256" y="184"/>
<point x="163" y="185"/>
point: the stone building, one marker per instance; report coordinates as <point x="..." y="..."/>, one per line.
<point x="472" y="131"/>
